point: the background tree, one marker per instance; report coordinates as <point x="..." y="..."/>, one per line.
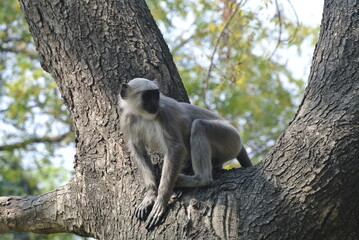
<point x="305" y="188"/>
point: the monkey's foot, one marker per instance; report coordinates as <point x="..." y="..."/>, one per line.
<point x="145" y="207"/>
<point x="155" y="217"/>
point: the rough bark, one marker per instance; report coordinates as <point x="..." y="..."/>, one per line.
<point x="46" y="213"/>
<point x="306" y="188"/>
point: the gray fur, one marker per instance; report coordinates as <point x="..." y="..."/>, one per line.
<point x="181" y="131"/>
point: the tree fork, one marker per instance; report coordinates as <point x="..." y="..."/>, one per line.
<point x="305" y="188"/>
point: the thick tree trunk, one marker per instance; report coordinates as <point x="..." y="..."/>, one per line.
<point x="306" y="188"/>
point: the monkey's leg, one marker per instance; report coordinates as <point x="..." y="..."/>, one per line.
<point x="201" y="155"/>
<point x="145" y="167"/>
<point x="210" y="139"/>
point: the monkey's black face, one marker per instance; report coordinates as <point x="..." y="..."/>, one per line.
<point x="150" y="101"/>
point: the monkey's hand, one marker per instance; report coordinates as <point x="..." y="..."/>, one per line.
<point x="155" y="217"/>
<point x="145" y="206"/>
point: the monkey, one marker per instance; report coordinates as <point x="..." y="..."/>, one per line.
<point x="180" y="131"/>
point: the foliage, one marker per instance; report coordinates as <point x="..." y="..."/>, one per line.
<point x="232" y="58"/>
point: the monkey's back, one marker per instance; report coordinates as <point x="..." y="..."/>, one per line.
<point x="200" y="113"/>
<point x="177" y="117"/>
<point x="186" y="112"/>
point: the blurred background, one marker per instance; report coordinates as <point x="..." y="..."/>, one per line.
<point x="247" y="60"/>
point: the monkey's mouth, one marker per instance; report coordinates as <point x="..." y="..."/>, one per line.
<point x="152" y="108"/>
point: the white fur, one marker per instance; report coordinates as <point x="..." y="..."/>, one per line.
<point x="151" y="133"/>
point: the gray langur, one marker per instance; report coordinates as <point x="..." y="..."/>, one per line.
<point x="180" y="131"/>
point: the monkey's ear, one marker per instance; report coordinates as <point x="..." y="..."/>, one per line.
<point x="124" y="92"/>
<point x="156" y="82"/>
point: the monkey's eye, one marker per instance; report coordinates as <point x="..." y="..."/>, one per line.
<point x="151" y="95"/>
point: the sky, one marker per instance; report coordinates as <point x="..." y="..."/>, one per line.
<point x="309" y="13"/>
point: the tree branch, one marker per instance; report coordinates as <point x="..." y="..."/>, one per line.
<point x="17" y="49"/>
<point x="280" y="24"/>
<point x="26" y="142"/>
<point x="39" y="213"/>
<point x="211" y="65"/>
<point x="183" y="43"/>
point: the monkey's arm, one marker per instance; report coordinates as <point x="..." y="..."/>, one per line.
<point x="144" y="164"/>
<point x="172" y="166"/>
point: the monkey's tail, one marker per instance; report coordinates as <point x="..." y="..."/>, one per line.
<point x="243" y="158"/>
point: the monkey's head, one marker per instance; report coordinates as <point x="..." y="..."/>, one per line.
<point x="140" y="96"/>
